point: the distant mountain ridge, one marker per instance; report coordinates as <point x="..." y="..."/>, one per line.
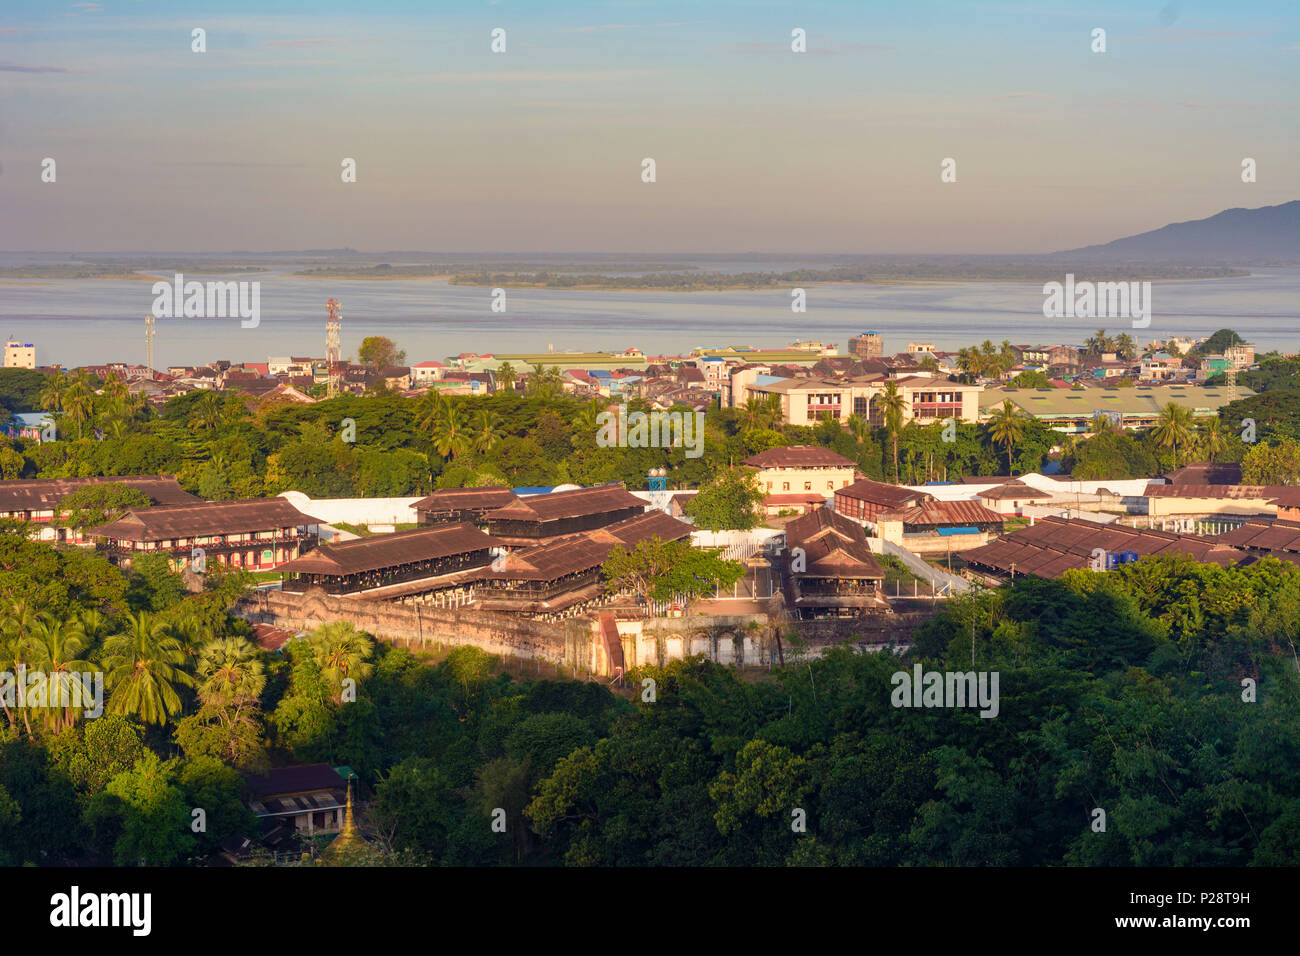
<point x="1268" y="235"/>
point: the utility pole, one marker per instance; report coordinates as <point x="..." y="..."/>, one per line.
<point x="148" y="341"/>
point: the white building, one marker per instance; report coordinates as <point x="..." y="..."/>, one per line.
<point x="20" y="355"/>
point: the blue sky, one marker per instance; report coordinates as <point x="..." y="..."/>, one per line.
<point x="540" y="147"/>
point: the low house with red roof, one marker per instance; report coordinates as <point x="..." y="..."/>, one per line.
<point x="425" y="372"/>
<point x="1010" y="498"/>
<point x="940" y="526"/>
<point x="865" y="499"/>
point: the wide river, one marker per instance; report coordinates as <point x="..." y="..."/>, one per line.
<point x="88" y="321"/>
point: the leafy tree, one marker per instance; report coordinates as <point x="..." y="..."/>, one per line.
<point x="153" y="812"/>
<point x="729" y="502"/>
<point x="92" y="753"/>
<point x="1272" y="463"/>
<point x="657" y="570"/>
<point x="378" y="351"/>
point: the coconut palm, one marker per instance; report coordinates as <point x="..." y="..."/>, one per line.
<point x="1210" y="440"/>
<point x="891" y="404"/>
<point x="18" y="620"/>
<point x="506" y="376"/>
<point x="1173" y="430"/>
<point x="79" y="401"/>
<point x="430" y="409"/>
<point x="1006" y="428"/>
<point x="487" y="431"/>
<point x="753" y="411"/>
<point x="54" y="391"/>
<point x="145" y="665"/>
<point x="451" y="436"/>
<point x="208" y="412"/>
<point x="858" y="427"/>
<point x="230" y="672"/>
<point x="774" y="414"/>
<point x="52" y="648"/>
<point x="587" y="421"/>
<point x="1102" y="423"/>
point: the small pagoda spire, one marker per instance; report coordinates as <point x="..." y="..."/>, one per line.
<point x="348" y="837"/>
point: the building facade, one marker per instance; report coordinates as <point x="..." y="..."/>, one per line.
<point x="802" y="468"/>
<point x="258" y="534"/>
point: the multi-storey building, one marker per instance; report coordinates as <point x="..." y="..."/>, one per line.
<point x="802" y="468"/>
<point x="258" y="534"/>
<point x="38" y="500"/>
<point x="868" y="345"/>
<point x="806" y="401"/>
<point x="20" y="355"/>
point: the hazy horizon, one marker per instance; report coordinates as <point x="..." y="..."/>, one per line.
<point x="538" y="150"/>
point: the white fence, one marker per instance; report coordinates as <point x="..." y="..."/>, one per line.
<point x="355" y="510"/>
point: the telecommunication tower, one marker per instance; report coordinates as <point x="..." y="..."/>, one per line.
<point x="659" y="494"/>
<point x="333" y="350"/>
<point x="148" y="341"/>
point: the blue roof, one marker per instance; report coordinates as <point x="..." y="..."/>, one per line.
<point x="533" y="490"/>
<point x="946" y="532"/>
<point x="767" y="379"/>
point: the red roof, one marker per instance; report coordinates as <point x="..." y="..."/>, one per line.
<point x="798" y="456"/>
<point x="944" y="513"/>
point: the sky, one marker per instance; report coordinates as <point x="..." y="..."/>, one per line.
<point x="540" y="148"/>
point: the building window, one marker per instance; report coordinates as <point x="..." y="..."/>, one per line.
<point x="830" y="485"/>
<point x="807" y="486"/>
<point x="785" y="486"/>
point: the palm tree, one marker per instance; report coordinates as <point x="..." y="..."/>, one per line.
<point x="54" y="391"/>
<point x="587" y="421"/>
<point x="341" y="651"/>
<point x="487" y="431"/>
<point x="754" y="412"/>
<point x="17" y="623"/>
<point x="858" y="427"/>
<point x="1173" y="429"/>
<point x="1006" y="427"/>
<point x="450" y="433"/>
<point x="144" y="664"/>
<point x="506" y="376"/>
<point x="52" y="648"/>
<point x="892" y="404"/>
<point x="208" y="412"/>
<point x="1102" y="423"/>
<point x="1211" y="441"/>
<point x="773" y="413"/>
<point x="79" y="401"/>
<point x="430" y="409"/>
<point x="545" y="382"/>
<point x="231" y="672"/>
